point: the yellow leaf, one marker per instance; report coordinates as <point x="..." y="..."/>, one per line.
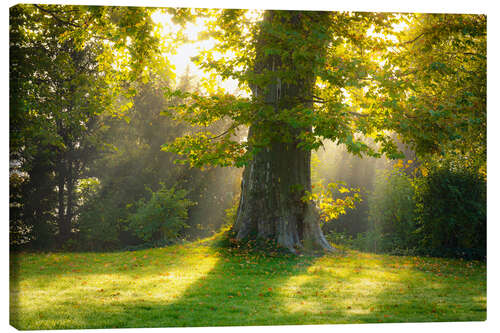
<point x="344" y="190"/>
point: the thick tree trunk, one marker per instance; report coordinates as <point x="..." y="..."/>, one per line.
<point x="271" y="205"/>
<point x="275" y="180"/>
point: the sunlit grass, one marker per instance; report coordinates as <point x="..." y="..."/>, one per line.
<point x="200" y="285"/>
<point x="66" y="290"/>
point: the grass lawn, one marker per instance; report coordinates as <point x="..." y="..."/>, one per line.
<point x="202" y="285"/>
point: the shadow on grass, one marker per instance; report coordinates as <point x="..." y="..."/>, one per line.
<point x="242" y="289"/>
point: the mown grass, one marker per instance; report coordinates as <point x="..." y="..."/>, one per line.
<point x="202" y="285"/>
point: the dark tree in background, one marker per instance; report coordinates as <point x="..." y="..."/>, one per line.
<point x="61" y="82"/>
<point x="55" y="97"/>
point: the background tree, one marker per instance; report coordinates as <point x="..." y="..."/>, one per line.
<point x="65" y="71"/>
<point x="56" y="95"/>
<point x="132" y="168"/>
<point x="435" y="85"/>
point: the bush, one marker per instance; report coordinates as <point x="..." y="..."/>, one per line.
<point x="391" y="213"/>
<point x="162" y="218"/>
<point x="451" y="207"/>
<point x="100" y="219"/>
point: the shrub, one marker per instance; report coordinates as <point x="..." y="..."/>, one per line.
<point x="162" y="218"/>
<point x="100" y="218"/>
<point x="392" y="213"/>
<point x="451" y="207"/>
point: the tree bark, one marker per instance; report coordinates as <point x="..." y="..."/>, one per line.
<point x="62" y="223"/>
<point x="275" y="180"/>
<point x="271" y="205"/>
<point x="70" y="184"/>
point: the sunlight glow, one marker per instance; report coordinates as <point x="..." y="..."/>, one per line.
<point x="181" y="59"/>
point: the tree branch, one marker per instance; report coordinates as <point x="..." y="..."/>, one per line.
<point x="415" y="39"/>
<point x="223" y="133"/>
<point x="468" y="53"/>
<point x="58" y="19"/>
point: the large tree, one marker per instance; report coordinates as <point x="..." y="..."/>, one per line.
<point x="326" y="75"/>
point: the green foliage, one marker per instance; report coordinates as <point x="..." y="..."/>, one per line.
<point x="32" y="204"/>
<point x="392" y="212"/>
<point x="440" y="65"/>
<point x="56" y="94"/>
<point x="442" y="213"/>
<point x="130" y="161"/>
<point x="332" y="201"/>
<point x="369" y="241"/>
<point x="451" y="206"/>
<point x="338" y="165"/>
<point x="420" y="75"/>
<point x="19" y="231"/>
<point x="100" y="220"/>
<point x="68" y="66"/>
<point x="161" y="218"/>
<point x="334" y="46"/>
<point x="99" y="226"/>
